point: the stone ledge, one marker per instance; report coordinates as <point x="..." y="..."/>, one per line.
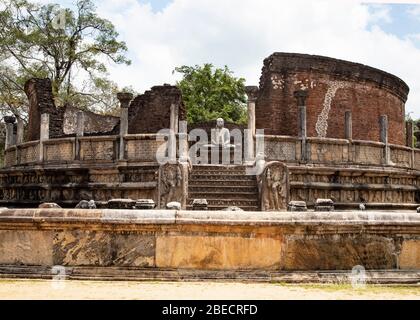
<point x="147" y="274"/>
<point x="153" y="217"/>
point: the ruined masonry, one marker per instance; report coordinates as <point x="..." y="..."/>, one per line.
<point x="335" y="152"/>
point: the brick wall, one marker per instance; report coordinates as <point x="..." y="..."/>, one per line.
<point x="41" y="101"/>
<point x="150" y="112"/>
<point x="334" y="86"/>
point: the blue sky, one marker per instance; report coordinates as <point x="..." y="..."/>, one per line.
<point x="157" y="5"/>
<point x="400" y="21"/>
<point x="164" y="34"/>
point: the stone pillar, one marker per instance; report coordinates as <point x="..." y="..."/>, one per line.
<point x="252" y="93"/>
<point x="348" y="122"/>
<point x="20" y="131"/>
<point x="10" y="134"/>
<point x="44" y="134"/>
<point x="183" y="141"/>
<point x="301" y="96"/>
<point x="80" y="131"/>
<point x="173" y="126"/>
<point x="383" y="124"/>
<point x="409" y="134"/>
<point x="124" y="98"/>
<point x="80" y="124"/>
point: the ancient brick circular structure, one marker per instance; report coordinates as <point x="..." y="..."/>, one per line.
<point x="334" y="87"/>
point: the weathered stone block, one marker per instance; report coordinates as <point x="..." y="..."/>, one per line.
<point x="218" y="252"/>
<point x="121" y="204"/>
<point x="144" y="204"/>
<point x="297" y="206"/>
<point x="173" y="205"/>
<point x="324" y="205"/>
<point x="199" y="204"/>
<point x="329" y="252"/>
<point x="27" y="247"/>
<point x="95" y="248"/>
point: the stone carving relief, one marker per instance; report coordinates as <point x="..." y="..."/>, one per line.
<point x="173" y="184"/>
<point x="322" y="123"/>
<point x="274" y="187"/>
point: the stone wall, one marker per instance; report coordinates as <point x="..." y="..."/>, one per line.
<point x="62" y="119"/>
<point x="41" y="100"/>
<point x="224" y="241"/>
<point x="150" y="112"/>
<point x="94" y="124"/>
<point x="348" y="187"/>
<point x="28" y="187"/>
<point x="334" y="86"/>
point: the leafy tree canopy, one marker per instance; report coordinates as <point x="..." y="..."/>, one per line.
<point x="210" y="93"/>
<point x="71" y="47"/>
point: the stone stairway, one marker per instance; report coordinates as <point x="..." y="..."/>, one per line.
<point x="223" y="186"/>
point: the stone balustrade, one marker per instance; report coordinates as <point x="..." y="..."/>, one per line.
<point x="327" y="151"/>
<point x="138" y="147"/>
<point x="145" y="147"/>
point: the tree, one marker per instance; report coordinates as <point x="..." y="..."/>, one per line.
<point x="66" y="46"/>
<point x="210" y="93"/>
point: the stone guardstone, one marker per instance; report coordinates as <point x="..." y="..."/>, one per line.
<point x="48" y="205"/>
<point x="173" y="205"/>
<point x="200" y="204"/>
<point x="121" y="204"/>
<point x="84" y="204"/>
<point x="324" y="205"/>
<point x="145" y="204"/>
<point x="297" y="206"/>
<point x="232" y="208"/>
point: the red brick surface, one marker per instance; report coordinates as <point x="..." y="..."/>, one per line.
<point x="368" y="93"/>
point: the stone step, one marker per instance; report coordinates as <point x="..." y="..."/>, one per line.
<point x="227" y="202"/>
<point x="221" y="177"/>
<point x="240" y="170"/>
<point x="221" y="207"/>
<point x="222" y="182"/>
<point x="223" y="188"/>
<point x="222" y="167"/>
<point x="222" y="195"/>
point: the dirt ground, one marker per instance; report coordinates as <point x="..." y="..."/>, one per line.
<point x="47" y="289"/>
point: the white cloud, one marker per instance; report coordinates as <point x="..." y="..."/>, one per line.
<point x="241" y="33"/>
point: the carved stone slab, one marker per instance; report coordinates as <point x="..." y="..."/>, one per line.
<point x="274" y="187"/>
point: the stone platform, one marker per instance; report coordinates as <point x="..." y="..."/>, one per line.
<point x="182" y="245"/>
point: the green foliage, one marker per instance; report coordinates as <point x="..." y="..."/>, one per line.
<point x="210" y="93"/>
<point x="67" y="46"/>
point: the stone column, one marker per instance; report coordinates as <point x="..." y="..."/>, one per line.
<point x="383" y="124"/>
<point x="44" y="134"/>
<point x="20" y="131"/>
<point x="348" y="125"/>
<point x="80" y="131"/>
<point x="173" y="126"/>
<point x="124" y="98"/>
<point x="301" y="96"/>
<point x="409" y="134"/>
<point x="10" y="134"/>
<point x="183" y="141"/>
<point x="252" y="93"/>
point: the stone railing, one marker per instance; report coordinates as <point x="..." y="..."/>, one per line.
<point x="138" y="148"/>
<point x="339" y="152"/>
<point x="145" y="148"/>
